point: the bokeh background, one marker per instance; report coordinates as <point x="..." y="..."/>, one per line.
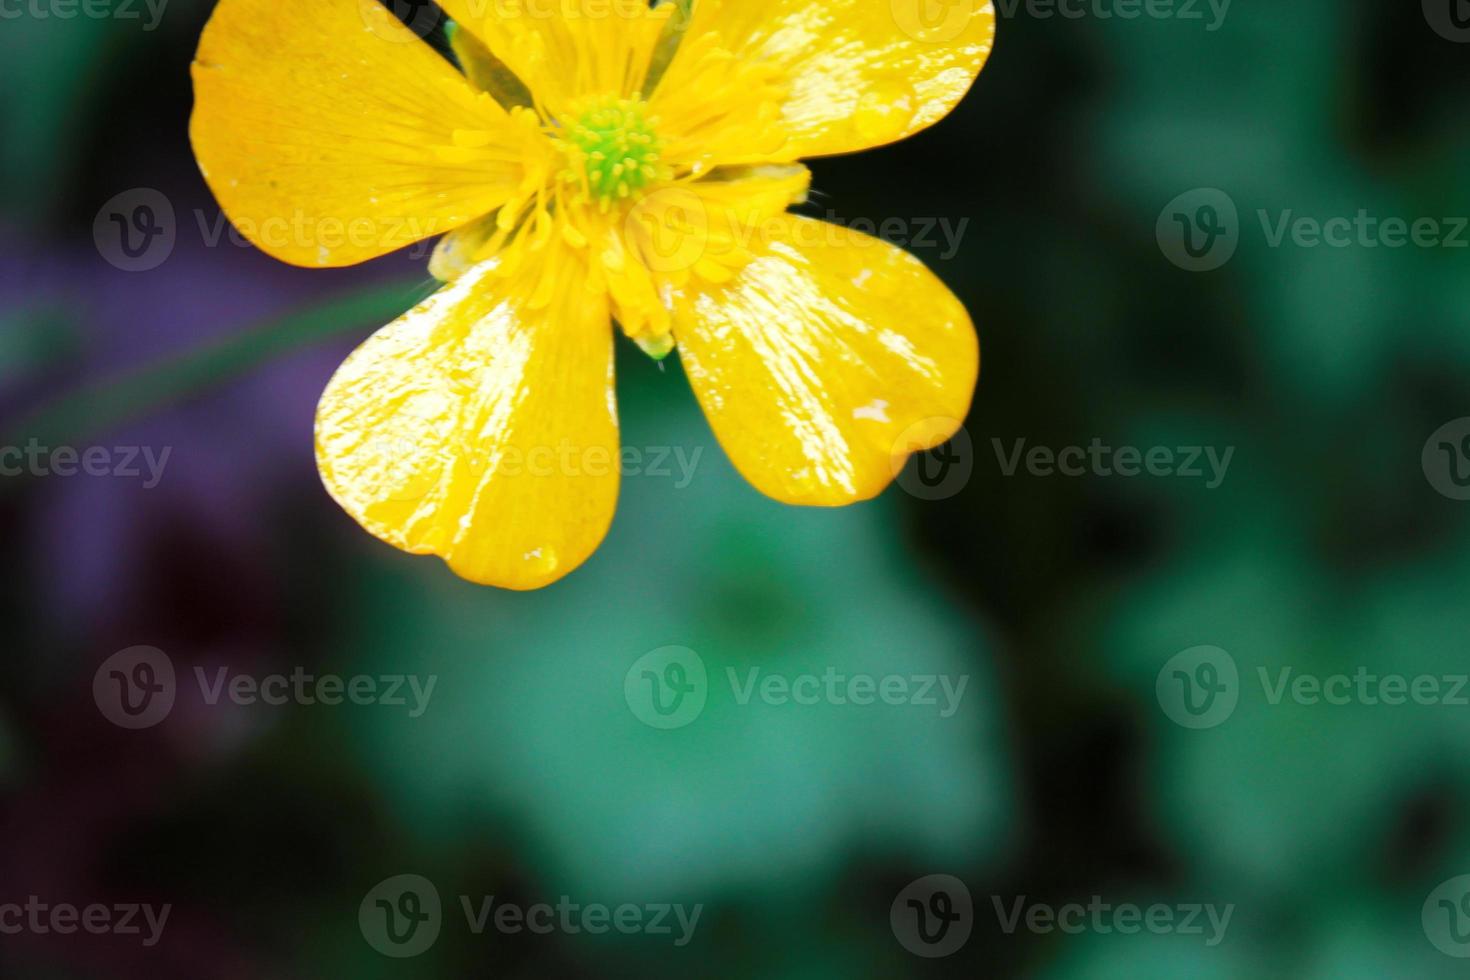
<point x="1330" y="545"/>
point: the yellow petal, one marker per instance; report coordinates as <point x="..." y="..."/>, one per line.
<point x="826" y="361"/>
<point x="481" y="426"/>
<point x="862" y="73"/>
<point x="327" y="131"/>
<point x="563" y="50"/>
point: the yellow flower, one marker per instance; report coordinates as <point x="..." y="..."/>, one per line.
<point x="594" y="160"/>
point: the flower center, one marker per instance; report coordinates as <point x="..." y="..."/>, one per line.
<point x="616" y="147"/>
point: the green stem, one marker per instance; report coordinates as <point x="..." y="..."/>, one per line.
<point x="105" y="405"/>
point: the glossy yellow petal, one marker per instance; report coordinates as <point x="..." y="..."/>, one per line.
<point x="862" y="73"/>
<point x="826" y="361"/>
<point x="564" y="50"/>
<point x="330" y="133"/>
<point x="481" y="426"/>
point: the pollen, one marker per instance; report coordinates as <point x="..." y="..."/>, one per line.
<point x="614" y="149"/>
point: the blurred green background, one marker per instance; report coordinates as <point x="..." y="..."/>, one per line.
<point x="1332" y="543"/>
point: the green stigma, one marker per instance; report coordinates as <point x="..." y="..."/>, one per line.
<point x="618" y="148"/>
